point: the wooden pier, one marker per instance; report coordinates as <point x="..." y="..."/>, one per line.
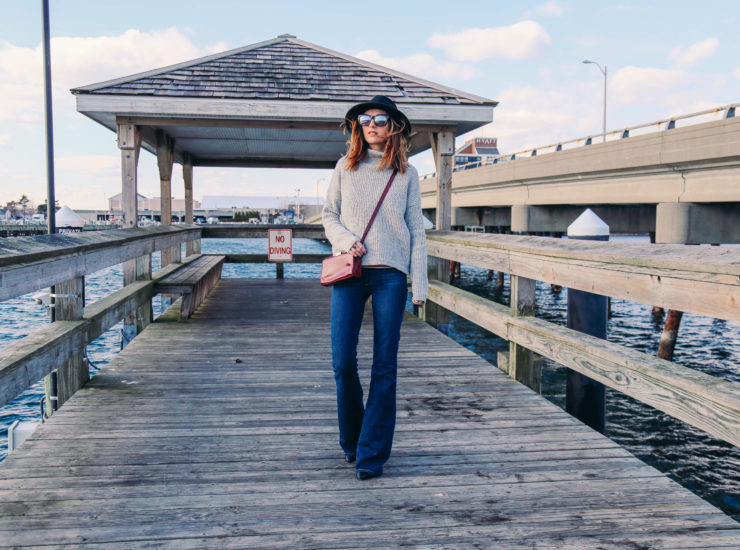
<point x="220" y="432"/>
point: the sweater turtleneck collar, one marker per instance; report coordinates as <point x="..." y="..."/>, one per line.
<point x="373" y="154"/>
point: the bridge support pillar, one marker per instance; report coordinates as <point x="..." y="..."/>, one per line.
<point x="520" y="218"/>
<point x="693" y="223"/>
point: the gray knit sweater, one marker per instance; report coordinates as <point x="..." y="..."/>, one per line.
<point x="397" y="237"/>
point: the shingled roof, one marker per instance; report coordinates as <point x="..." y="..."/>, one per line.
<point x="293" y="83"/>
<point x="282" y="68"/>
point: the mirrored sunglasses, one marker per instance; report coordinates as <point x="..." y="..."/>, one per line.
<point x="380" y="120"/>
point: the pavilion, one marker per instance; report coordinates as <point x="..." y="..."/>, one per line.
<point x="277" y="103"/>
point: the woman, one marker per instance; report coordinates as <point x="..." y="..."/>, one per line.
<point x="394" y="248"/>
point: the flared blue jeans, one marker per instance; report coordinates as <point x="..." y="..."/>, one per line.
<point x="366" y="432"/>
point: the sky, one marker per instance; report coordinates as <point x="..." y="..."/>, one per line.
<point x="663" y="59"/>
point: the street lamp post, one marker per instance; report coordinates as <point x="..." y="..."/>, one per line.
<point x="603" y="71"/>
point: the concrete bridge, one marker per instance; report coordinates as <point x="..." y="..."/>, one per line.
<point x="680" y="184"/>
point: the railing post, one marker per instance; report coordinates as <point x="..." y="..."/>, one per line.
<point x="191" y="247"/>
<point x="73" y="374"/>
<point x="443" y="147"/>
<point x="587" y="313"/>
<point x="521" y="365"/>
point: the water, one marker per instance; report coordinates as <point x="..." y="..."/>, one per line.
<point x="699" y="462"/>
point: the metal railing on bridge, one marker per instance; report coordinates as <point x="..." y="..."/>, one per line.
<point x="669" y="123"/>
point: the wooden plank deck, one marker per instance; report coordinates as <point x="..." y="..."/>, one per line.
<point x="221" y="433"/>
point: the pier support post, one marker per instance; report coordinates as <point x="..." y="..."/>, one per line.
<point x="129" y="141"/>
<point x="521" y="365"/>
<point x="443" y="147"/>
<point x="670" y="331"/>
<point x="73" y="374"/>
<point x="585" y="398"/>
<point x="165" y="160"/>
<point x="187" y="176"/>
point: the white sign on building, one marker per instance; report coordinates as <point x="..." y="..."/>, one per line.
<point x="280" y="245"/>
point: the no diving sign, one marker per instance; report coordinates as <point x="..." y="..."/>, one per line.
<point x="280" y="245"/>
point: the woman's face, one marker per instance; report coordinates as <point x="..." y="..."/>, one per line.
<point x="376" y="136"/>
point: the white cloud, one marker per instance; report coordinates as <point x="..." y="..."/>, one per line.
<point x="80" y="61"/>
<point x="694" y="53"/>
<point x="553" y="8"/>
<point x="423" y="65"/>
<point x="523" y="40"/>
<point x="643" y="84"/>
<point x="5" y="141"/>
<point x="736" y="72"/>
<point x="530" y="116"/>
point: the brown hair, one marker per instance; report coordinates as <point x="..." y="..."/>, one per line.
<point x="396" y="147"/>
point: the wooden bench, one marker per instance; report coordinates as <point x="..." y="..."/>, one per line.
<point x="193" y="281"/>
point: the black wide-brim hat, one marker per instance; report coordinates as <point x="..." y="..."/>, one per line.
<point x="379" y="102"/>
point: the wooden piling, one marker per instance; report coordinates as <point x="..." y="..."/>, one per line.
<point x="670" y="332"/>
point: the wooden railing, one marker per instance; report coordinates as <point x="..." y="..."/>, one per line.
<point x="255" y="231"/>
<point x="701" y="280"/>
<point x="33" y="263"/>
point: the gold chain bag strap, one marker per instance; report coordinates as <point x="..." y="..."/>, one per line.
<point x="345" y="265"/>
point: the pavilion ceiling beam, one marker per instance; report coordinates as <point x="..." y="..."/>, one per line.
<point x="289" y="111"/>
<point x="265" y="163"/>
<point x="199" y="122"/>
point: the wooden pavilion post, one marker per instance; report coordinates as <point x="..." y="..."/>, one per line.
<point x="129" y="142"/>
<point x="191" y="247"/>
<point x="140" y="269"/>
<point x="165" y="160"/>
<point x="443" y="148"/>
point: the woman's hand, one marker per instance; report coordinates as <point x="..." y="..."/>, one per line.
<point x="358" y="250"/>
<point x="418" y="302"/>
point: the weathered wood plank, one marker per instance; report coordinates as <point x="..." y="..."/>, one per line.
<point x="262" y="258"/>
<point x="253" y="231"/>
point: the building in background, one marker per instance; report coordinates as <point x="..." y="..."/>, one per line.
<point x="476" y="152"/>
<point x="302" y="207"/>
<point x="219" y="207"/>
<point x="145" y="203"/>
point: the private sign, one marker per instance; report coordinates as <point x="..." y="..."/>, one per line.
<point x="280" y="245"/>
